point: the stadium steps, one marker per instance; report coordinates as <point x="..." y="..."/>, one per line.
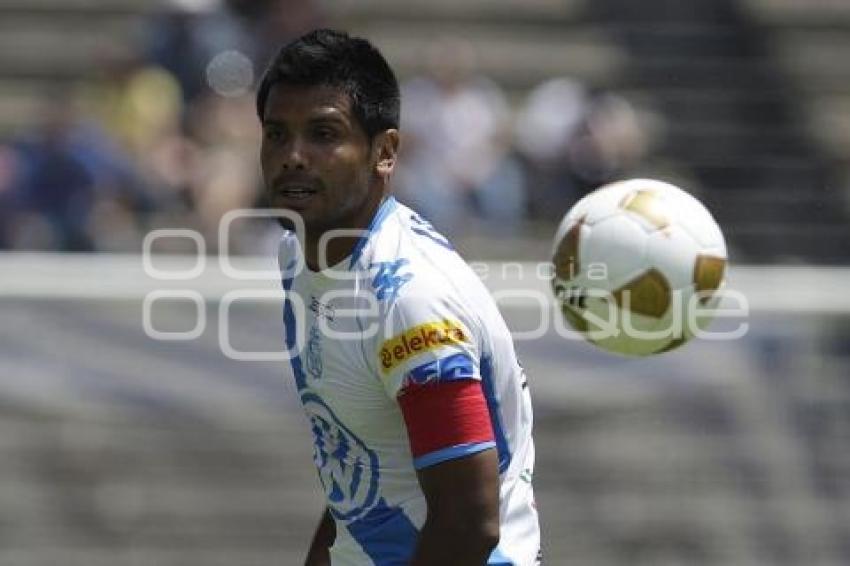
<point x="517" y="57"/>
<point x="667" y="460"/>
<point x="747" y="205"/>
<point x="744" y="145"/>
<point x="537" y="12"/>
<point x="815" y="62"/>
<point x="790" y="241"/>
<point x="811" y="41"/>
<point x="736" y="111"/>
<point x="88" y="488"/>
<point x="811" y="44"/>
<point x="35" y="45"/>
<point x="48" y="47"/>
<point x="794" y="14"/>
<point x="77" y="7"/>
<point x="518" y="44"/>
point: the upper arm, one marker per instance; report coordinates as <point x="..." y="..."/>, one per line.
<point x="464" y="491"/>
<point x="430" y="364"/>
<point x="428" y="359"/>
<point x="424" y="332"/>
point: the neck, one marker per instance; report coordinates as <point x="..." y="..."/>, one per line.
<point x="337" y="249"/>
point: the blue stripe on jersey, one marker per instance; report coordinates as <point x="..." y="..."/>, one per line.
<point x="451" y="453"/>
<point x="383" y="211"/>
<point x="385" y="534"/>
<point x="453" y="368"/>
<point x="290" y="338"/>
<point x="498" y="559"/>
<point x="495" y="415"/>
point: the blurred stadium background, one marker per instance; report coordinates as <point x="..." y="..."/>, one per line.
<point x="118" y="117"/>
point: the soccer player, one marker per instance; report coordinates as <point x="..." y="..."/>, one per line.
<point x="420" y="412"/>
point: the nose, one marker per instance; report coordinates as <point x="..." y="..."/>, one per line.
<point x="294" y="158"/>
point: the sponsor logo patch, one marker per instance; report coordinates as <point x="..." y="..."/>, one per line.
<point x="418" y="340"/>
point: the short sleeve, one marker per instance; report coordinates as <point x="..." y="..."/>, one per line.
<point x="426" y="339"/>
<point x="429" y="362"/>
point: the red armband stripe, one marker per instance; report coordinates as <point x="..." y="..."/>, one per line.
<point x="442" y="415"/>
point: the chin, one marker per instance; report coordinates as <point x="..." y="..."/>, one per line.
<point x="307" y="218"/>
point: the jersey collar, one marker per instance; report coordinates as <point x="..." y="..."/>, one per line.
<point x="384" y="210"/>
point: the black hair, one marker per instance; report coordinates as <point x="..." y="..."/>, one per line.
<point x="326" y="57"/>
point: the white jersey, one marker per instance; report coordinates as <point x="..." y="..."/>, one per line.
<point x="403" y="308"/>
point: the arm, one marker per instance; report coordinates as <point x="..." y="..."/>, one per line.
<point x="431" y="369"/>
<point x="319" y="554"/>
<point x="462" y="525"/>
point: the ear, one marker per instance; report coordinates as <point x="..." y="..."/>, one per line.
<point x="385" y="149"/>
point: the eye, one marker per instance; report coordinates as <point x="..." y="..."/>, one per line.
<point x="273" y="134"/>
<point x="324" y="134"/>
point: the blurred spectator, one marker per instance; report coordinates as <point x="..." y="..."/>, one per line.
<point x="612" y="142"/>
<point x="168" y="138"/>
<point x="49" y="189"/>
<point x="136" y="102"/>
<point x="574" y="141"/>
<point x="274" y="22"/>
<point x="226" y="176"/>
<point x="54" y="179"/>
<point x="546" y="125"/>
<point x="213" y="48"/>
<point x="139" y="106"/>
<point x="186" y="35"/>
<point x="455" y="160"/>
<point x="8" y="204"/>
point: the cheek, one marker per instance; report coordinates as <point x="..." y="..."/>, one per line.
<point x="265" y="160"/>
<point x="356" y="164"/>
<point x="338" y="164"/>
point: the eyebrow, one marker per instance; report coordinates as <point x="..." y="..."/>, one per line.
<point x="321" y="119"/>
<point x="327" y="119"/>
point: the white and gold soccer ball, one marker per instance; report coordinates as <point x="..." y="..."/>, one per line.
<point x="637" y="267"/>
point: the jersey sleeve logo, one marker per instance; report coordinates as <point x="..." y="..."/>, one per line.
<point x="388" y="281"/>
<point x="418" y="340"/>
<point x="457" y="367"/>
<point x="424" y="228"/>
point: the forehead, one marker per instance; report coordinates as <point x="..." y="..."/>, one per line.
<point x="287" y="103"/>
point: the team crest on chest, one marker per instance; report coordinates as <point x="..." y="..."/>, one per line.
<point x="348" y="469"/>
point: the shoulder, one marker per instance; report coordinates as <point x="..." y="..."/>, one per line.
<point x="424" y="330"/>
<point x="409" y="243"/>
<point x="416" y="269"/>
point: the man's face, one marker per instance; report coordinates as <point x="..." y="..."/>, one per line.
<point x="317" y="161"/>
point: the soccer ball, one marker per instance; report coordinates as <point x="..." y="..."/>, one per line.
<point x="637" y="267"/>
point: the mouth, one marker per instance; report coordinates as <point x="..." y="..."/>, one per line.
<point x="295" y="192"/>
